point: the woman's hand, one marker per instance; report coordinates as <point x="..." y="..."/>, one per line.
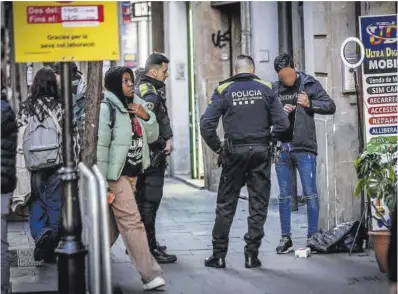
<point x="138" y="110"/>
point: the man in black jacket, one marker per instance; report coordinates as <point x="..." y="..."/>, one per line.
<point x="9" y="132"/>
<point x="302" y="97"/>
<point x="150" y="184"/>
<point x="248" y="109"/>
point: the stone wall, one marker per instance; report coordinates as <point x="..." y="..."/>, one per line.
<point x="177" y="84"/>
<point x="209" y="70"/>
<point x="327" y="25"/>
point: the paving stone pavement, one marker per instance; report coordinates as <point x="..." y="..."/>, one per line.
<point x="185" y="222"/>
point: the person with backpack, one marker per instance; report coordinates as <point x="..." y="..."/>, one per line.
<point x="302" y="97"/>
<point x="42" y="115"/>
<point x="79" y="89"/>
<point x="126" y="127"/>
<point x="9" y="131"/>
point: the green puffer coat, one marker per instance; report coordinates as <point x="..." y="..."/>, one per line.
<point x="112" y="154"/>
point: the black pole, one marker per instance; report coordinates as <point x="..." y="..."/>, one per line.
<point x="286" y="46"/>
<point x="71" y="251"/>
<point x="285" y="27"/>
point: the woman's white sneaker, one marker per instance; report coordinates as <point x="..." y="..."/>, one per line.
<point x="156" y="283"/>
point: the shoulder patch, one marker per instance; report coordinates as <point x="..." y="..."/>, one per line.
<point x="268" y="84"/>
<point x="222" y="87"/>
<point x="146" y="89"/>
<point x="150" y="105"/>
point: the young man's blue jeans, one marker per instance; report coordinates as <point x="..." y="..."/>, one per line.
<point x="305" y="162"/>
<point x="45" y="205"/>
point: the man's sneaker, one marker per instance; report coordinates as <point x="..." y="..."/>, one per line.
<point x="156" y="283"/>
<point x="163" y="257"/>
<point x="285" y="246"/>
<point x="216" y="262"/>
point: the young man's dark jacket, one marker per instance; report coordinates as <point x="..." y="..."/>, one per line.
<point x="9" y="133"/>
<point x="248" y="108"/>
<point x="150" y="90"/>
<point x="304" y="132"/>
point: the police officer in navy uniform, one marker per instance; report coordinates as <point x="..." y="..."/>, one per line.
<point x="76" y="75"/>
<point x="150" y="183"/>
<point x="248" y="109"/>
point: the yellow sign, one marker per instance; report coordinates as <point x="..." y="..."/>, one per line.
<point x="65" y="31"/>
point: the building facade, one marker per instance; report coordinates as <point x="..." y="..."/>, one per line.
<point x="203" y="38"/>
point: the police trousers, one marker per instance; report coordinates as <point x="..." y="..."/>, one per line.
<point x="251" y="165"/>
<point x="149" y="195"/>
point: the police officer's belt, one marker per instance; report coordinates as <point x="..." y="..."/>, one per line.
<point x="258" y="141"/>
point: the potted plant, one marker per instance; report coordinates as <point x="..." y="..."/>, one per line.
<point x="377" y="177"/>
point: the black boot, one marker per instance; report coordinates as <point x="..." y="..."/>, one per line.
<point x="252" y="261"/>
<point x="161" y="247"/>
<point x="216" y="262"/>
<point x="285" y="245"/>
<point x="158" y="246"/>
<point x="43" y="246"/>
<point x="163" y="257"/>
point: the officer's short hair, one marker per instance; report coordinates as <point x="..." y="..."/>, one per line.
<point x="282" y="61"/>
<point x="155" y="60"/>
<point x="244" y="61"/>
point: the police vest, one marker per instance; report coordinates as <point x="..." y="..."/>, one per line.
<point x="247" y="117"/>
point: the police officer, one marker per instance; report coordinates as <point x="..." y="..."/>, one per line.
<point x="76" y="75"/>
<point x="150" y="184"/>
<point x="248" y="109"/>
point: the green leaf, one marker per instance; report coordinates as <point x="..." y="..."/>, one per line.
<point x="359" y="187"/>
<point x="391" y="173"/>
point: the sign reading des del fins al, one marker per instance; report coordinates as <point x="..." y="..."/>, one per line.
<point x="65" y="31"/>
<point x="380" y="79"/>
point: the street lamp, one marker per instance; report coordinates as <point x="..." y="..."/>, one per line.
<point x="71" y="251"/>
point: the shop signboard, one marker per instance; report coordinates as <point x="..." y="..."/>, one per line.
<point x="380" y="91"/>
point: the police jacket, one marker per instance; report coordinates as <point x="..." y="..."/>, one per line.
<point x="304" y="131"/>
<point x="150" y="90"/>
<point x="9" y="132"/>
<point x="248" y="109"/>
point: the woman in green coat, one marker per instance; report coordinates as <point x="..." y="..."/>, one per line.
<point x="126" y="127"/>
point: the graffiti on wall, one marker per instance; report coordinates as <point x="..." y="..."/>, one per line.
<point x="220" y="39"/>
